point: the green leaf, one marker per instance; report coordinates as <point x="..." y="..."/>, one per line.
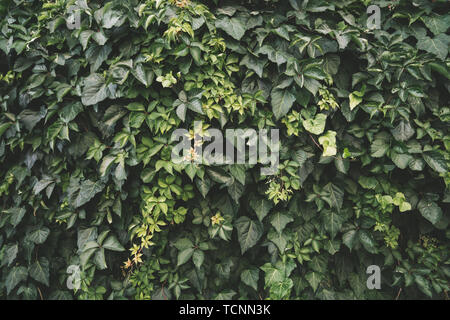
<point x="313" y="279"/>
<point x="430" y="210"/>
<point x="261" y="206"/>
<point x="354" y="101"/>
<point x="279" y="239"/>
<point x="368" y="182"/>
<point x="85" y="235"/>
<point x="276" y="56"/>
<point x="250" y="277"/>
<point x="272" y="275"/>
<point x="203" y="185"/>
<point x="282" y="289"/>
<point x="436" y="161"/>
<point x="249" y="232"/>
<point x="39" y="271"/>
<point x="4" y="127"/>
<point x="257" y="65"/>
<point x="238" y="171"/>
<point x="436" y="66"/>
<point x="96" y="55"/>
<point x="332" y="222"/>
<point x="424" y="285"/>
<point x="191" y="170"/>
<point x="403" y="131"/>
<point x="282" y="101"/>
<point x="227" y="294"/>
<point x="11" y="251"/>
<point x="183" y="243"/>
<point x="16" y="215"/>
<point x="279" y="221"/>
<point x="437" y="45"/>
<point x="143" y="75"/>
<point x="283" y="31"/>
<point x="85" y="192"/>
<point x="380" y="145"/>
<point x="312" y="85"/>
<point x="195" y="105"/>
<point x="95" y="90"/>
<point x="198" y="257"/>
<point x="184" y="256"/>
<point x="331" y="64"/>
<point x="401" y="160"/>
<point x="436" y="23"/>
<point x="42" y="184"/>
<point x="318" y="264"/>
<point x="14" y="277"/>
<point x="111" y="243"/>
<point x="70" y="112"/>
<point x="317" y="125"/>
<point x="236" y="190"/>
<point x="357" y="283"/>
<point x="99" y="259"/>
<point x="31" y="118"/>
<point x="405" y="206"/>
<point x="334" y="195"/>
<point x="367" y="241"/>
<point x="181" y="111"/>
<point x="234" y="27"/>
<point x="60" y="295"/>
<point x="40" y="235"/>
<point x="332" y="246"/>
<point x="220" y="176"/>
<point x="28" y="292"/>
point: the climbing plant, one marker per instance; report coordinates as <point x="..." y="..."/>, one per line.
<point x="93" y="206"/>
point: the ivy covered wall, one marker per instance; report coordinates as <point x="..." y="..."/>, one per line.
<point x="94" y="207"/>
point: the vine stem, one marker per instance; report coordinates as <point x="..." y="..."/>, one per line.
<point x="40" y="293"/>
<point x="162" y="289"/>
<point x="398" y="294"/>
<point x="315" y="142"/>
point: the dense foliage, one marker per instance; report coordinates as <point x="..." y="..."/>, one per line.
<point x="87" y="179"/>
